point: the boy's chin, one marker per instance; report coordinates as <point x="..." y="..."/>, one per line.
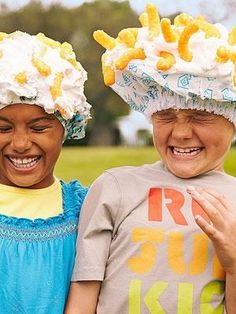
<point x="186" y="172"/>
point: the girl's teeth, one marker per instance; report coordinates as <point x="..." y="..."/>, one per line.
<point x="24" y="163"/>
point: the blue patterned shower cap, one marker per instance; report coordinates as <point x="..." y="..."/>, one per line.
<point x="188" y="64"/>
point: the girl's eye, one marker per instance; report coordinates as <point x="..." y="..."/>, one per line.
<point x="39" y="128"/>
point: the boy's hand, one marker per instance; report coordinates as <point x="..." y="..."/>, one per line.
<point x="222" y="227"/>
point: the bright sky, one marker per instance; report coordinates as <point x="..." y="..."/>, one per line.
<point x="214" y="10"/>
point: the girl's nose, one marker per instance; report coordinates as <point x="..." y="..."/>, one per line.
<point x="20" y="142"/>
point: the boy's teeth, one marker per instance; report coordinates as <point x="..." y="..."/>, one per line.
<point x="186" y="151"/>
<point x="24" y="163"/>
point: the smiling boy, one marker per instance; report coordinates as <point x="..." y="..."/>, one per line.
<point x="191" y="142"/>
<point x="140" y="248"/>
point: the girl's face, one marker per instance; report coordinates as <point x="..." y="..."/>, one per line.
<point x="30" y="144"/>
<point x="192" y="142"/>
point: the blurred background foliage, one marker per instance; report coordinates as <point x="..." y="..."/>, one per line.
<point x="76" y="26"/>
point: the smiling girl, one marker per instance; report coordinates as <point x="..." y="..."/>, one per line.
<point x="41" y="104"/>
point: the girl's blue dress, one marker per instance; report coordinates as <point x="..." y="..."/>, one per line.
<point x="37" y="258"/>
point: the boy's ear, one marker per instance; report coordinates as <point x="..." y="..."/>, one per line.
<point x="234" y="138"/>
<point x="64" y="136"/>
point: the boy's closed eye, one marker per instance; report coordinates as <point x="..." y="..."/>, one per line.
<point x="5" y="128"/>
<point x="165" y="116"/>
<point x="203" y="116"/>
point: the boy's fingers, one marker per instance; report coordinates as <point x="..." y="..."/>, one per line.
<point x="217" y="202"/>
<point x="211" y="210"/>
<point x="221" y="198"/>
<point x="215" y="198"/>
<point x="206" y="227"/>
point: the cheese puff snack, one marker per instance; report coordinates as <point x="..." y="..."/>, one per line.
<point x="184" y="39"/>
<point x="104" y="39"/>
<point x="169" y="34"/>
<point x="166" y="61"/>
<point x="153" y="21"/>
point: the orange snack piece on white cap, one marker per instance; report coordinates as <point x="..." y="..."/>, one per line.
<point x="104" y="39"/>
<point x="153" y="21"/>
<point x="128" y="55"/>
<point x="183" y="44"/>
<point x="108" y="72"/>
<point x="166" y="61"/>
<point x="168" y="32"/>
<point x="128" y="36"/>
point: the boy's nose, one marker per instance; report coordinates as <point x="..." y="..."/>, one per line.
<point x="21" y="142"/>
<point x="182" y="130"/>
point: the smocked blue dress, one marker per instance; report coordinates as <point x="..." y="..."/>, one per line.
<point x="37" y="258"/>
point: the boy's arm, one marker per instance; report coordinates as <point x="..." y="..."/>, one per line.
<point x="230" y="292"/>
<point x="83" y="297"/>
<point x="222" y="232"/>
<point x="95" y="232"/>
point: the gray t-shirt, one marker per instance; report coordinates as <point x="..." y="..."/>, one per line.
<point x="138" y="236"/>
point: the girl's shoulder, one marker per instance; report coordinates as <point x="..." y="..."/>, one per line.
<point x="73" y="193"/>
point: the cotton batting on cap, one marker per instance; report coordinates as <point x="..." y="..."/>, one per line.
<point x="35" y="69"/>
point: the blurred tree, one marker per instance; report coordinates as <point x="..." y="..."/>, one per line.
<point x="76" y="26"/>
<point x="111" y="17"/>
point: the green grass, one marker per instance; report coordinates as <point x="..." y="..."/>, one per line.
<point x="86" y="163"/>
<point x="230" y="162"/>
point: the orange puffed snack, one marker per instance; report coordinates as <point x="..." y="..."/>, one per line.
<point x="104" y="39"/>
<point x="128" y="55"/>
<point x="108" y="72"/>
<point x="41" y="66"/>
<point x="128" y="36"/>
<point x="209" y="29"/>
<point x="183" y="19"/>
<point x="153" y="21"/>
<point x="168" y="32"/>
<point x="184" y="39"/>
<point x="166" y="61"/>
<point x="143" y="19"/>
<point x="222" y="54"/>
<point x="232" y="36"/>
<point x="233" y="59"/>
<point x="21" y="77"/>
<point x="55" y="89"/>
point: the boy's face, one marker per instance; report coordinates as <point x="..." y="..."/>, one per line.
<point x="30" y="143"/>
<point x="191" y="142"/>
